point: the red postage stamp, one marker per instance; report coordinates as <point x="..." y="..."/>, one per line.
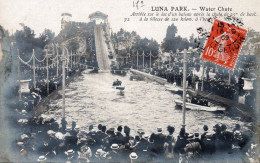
<point x="224" y="44"/>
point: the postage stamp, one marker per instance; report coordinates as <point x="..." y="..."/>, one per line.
<point x="224" y="44"/>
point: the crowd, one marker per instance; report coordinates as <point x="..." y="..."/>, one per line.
<point x="217" y="84"/>
<point x="46" y="140"/>
<point x="50" y="141"/>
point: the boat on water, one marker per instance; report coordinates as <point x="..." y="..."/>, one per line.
<point x="117" y="83"/>
<point x="197" y="107"/>
<point x="121" y="88"/>
<point x="174" y="89"/>
<point x="136" y="77"/>
<point x="94" y="70"/>
<point x="87" y="71"/>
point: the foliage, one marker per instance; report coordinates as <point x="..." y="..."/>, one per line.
<point x="26" y="41"/>
<point x="172" y="42"/>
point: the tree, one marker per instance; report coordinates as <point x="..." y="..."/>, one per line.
<point x="172" y="42"/>
<point x="46" y="37"/>
<point x="26" y="41"/>
<point x="193" y="41"/>
<point x="171" y="32"/>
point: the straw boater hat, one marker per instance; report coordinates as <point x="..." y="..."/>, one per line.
<point x="68" y="128"/>
<point x="24" y="121"/>
<point x="77" y="128"/>
<point x="69" y="152"/>
<point x="51" y="132"/>
<point x="133" y="156"/>
<point x="208" y="136"/>
<point x="41" y="158"/>
<point x="24" y="136"/>
<point x="191" y="135"/>
<point x="20" y="143"/>
<point x="140" y="131"/>
<point x="83" y="140"/>
<point x="237" y="132"/>
<point x="59" y="135"/>
<point x="24" y="112"/>
<point x="114" y="146"/>
<point x="196" y="134"/>
<point x="159" y="130"/>
<point x="99" y="153"/>
<point x="146" y="137"/>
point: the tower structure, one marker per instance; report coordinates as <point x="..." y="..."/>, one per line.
<point x="65" y="18"/>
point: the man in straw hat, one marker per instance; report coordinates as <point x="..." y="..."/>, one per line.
<point x="42" y="158"/>
<point x="133" y="157"/>
<point x="71" y="155"/>
<point x="85" y="153"/>
<point x="159" y="140"/>
<point x="180" y="144"/>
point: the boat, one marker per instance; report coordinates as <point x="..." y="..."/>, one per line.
<point x="121" y="88"/>
<point x="197" y="107"/>
<point x="118" y="72"/>
<point x="94" y="70"/>
<point x="174" y="89"/>
<point x="117" y="83"/>
<point x="136" y="77"/>
<point x="87" y="71"/>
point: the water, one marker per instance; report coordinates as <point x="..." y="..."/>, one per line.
<point x="91" y="100"/>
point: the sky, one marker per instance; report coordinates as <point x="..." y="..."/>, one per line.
<point x="41" y="14"/>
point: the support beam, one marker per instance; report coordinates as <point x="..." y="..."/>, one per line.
<point x="184" y="88"/>
<point x="63" y="82"/>
<point x="137" y="60"/>
<point x="34" y="80"/>
<point x="19" y="75"/>
<point x="150" y="61"/>
<point x="202" y="76"/>
<point x="143" y="59"/>
<point x="47" y="68"/>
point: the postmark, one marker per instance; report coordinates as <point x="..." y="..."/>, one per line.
<point x="224" y="44"/>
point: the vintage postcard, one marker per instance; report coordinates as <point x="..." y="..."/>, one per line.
<point x="129" y="81"/>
